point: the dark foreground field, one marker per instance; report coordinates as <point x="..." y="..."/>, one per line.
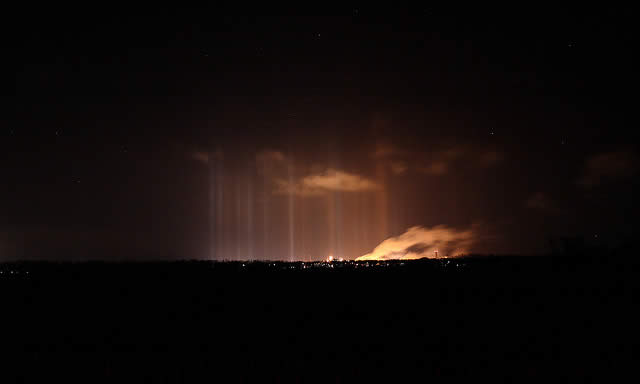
<point x="510" y="320"/>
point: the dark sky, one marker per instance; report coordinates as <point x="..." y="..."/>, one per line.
<point x="295" y="134"/>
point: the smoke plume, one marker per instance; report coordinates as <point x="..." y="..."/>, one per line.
<point x="418" y="242"/>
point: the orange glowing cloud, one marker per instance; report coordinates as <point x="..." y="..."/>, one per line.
<point x="330" y="180"/>
<point x="339" y="181"/>
<point x="419" y="242"/>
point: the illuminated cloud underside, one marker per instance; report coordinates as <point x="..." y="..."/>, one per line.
<point x="330" y="180"/>
<point x="419" y="242"/>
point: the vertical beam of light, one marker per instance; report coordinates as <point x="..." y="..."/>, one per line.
<point x="338" y="226"/>
<point x="219" y="210"/>
<point x="291" y="214"/>
<point x="238" y="214"/>
<point x="212" y="207"/>
<point x="302" y="232"/>
<point x="335" y="202"/>
<point x="368" y="221"/>
<point x="265" y="212"/>
<point x="331" y="213"/>
<point x="382" y="201"/>
<point x="360" y="221"/>
<point x="250" y="214"/>
<point x="331" y="217"/>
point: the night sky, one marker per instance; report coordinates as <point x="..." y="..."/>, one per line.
<point x="296" y="134"/>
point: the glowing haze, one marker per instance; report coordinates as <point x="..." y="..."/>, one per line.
<point x="419" y="242"/>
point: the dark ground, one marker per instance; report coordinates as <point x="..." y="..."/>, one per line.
<point x="506" y="319"/>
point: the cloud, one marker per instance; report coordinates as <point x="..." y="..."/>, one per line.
<point x="440" y="162"/>
<point x="204" y="157"/>
<point x="453" y="153"/>
<point x="608" y="166"/>
<point x="200" y="156"/>
<point x="284" y="187"/>
<point x="399" y="167"/>
<point x="541" y="202"/>
<point x="319" y="180"/>
<point x="329" y="180"/>
<point x="397" y="158"/>
<point x="418" y="242"/>
<point x="270" y="157"/>
<point x="385" y="150"/>
<point x="437" y="159"/>
<point x="435" y="168"/>
<point x="339" y="181"/>
<point x="490" y="158"/>
<point x="272" y="163"/>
